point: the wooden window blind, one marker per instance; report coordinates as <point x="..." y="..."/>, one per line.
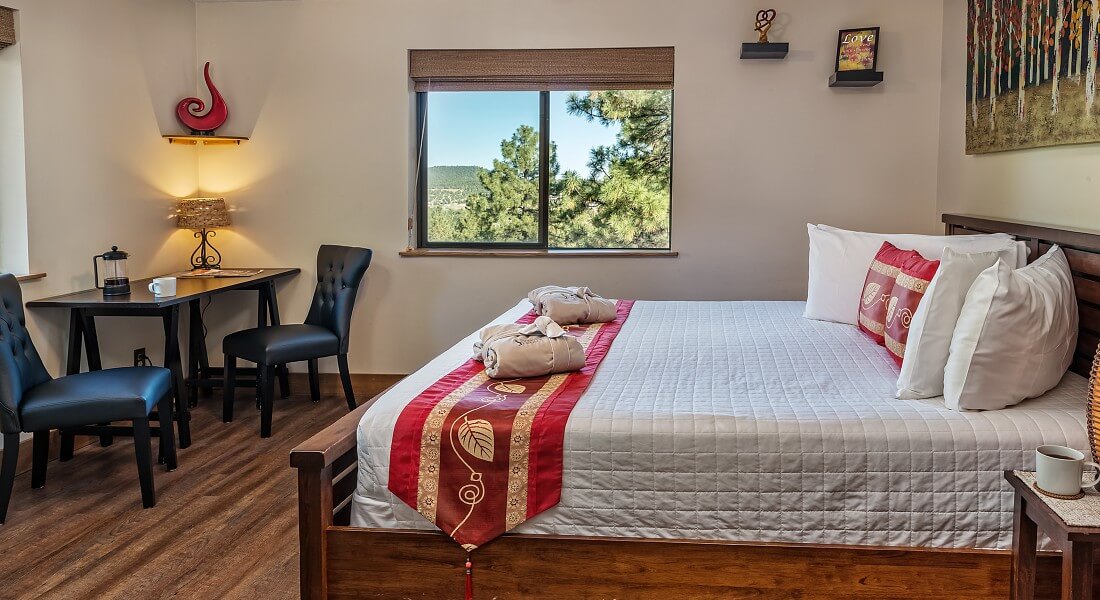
<point x="542" y="70"/>
<point x="7" y="27"/>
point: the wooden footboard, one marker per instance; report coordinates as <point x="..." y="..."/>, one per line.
<point x="326" y="466"/>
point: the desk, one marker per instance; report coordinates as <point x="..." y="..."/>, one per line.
<point x="86" y="305"/>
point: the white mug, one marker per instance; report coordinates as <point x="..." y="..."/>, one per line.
<point x="163" y="286"/>
<point x="1059" y="470"/>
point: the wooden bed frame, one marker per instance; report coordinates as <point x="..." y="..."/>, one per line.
<point x="339" y="561"/>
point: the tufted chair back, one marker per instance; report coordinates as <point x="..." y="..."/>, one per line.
<point x="339" y="271"/>
<point x="20" y="366"/>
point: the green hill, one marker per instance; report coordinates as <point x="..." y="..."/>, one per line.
<point x="453" y="184"/>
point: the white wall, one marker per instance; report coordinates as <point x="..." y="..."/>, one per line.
<point x="1058" y="185"/>
<point x="761" y="147"/>
<point x="100" y="81"/>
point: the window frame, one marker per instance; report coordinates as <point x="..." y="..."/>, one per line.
<point x="543" y="241"/>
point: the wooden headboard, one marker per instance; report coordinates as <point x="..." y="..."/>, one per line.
<point x="1082" y="248"/>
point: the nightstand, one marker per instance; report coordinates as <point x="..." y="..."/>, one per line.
<point x="1073" y="525"/>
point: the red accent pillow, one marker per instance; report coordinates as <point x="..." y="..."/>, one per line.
<point x="909" y="287"/>
<point x="877" y="288"/>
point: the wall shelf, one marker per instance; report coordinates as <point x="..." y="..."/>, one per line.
<point x="855" y="79"/>
<point x="771" y="50"/>
<point x="207" y="140"/>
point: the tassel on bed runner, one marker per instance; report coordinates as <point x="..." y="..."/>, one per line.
<point x="469" y="578"/>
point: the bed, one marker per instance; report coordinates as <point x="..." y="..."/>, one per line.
<point x="735" y="435"/>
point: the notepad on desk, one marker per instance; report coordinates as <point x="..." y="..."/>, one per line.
<point x="218" y="273"/>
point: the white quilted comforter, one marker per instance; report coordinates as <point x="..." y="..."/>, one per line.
<point x="745" y="421"/>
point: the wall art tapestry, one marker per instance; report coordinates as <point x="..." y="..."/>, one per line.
<point x="1031" y="74"/>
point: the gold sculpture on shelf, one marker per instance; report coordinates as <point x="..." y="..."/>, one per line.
<point x="764" y="20"/>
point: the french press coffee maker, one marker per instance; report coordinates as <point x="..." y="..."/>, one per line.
<point x="115" y="280"/>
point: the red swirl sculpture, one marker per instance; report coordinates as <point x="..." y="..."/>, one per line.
<point x="189" y="108"/>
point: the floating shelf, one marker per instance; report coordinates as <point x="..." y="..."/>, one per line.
<point x="771" y="50"/>
<point x="207" y="140"/>
<point x="855" y="79"/>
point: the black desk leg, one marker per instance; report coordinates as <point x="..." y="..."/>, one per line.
<point x="273" y="312"/>
<point x="91" y="342"/>
<point x="198" y="362"/>
<point x="76" y="338"/>
<point x="261" y="306"/>
<point x="200" y="348"/>
<point x="172" y="361"/>
<point x="95" y="362"/>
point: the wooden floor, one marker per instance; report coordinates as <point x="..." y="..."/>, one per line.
<point x="225" y="523"/>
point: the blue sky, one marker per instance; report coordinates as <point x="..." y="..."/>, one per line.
<point x="466" y="128"/>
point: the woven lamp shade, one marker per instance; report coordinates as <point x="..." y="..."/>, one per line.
<point x="1094" y="406"/>
<point x="202" y="213"/>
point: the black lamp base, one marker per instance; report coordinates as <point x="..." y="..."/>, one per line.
<point x="206" y="256"/>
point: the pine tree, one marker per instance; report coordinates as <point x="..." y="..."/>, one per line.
<point x="625" y="200"/>
<point x="508" y="209"/>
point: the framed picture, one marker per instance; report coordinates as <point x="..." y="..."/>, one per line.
<point x="1030" y="74"/>
<point x="857" y="49"/>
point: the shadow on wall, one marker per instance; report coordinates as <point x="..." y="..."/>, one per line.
<point x="169" y="76"/>
<point x="247" y="61"/>
<point x="243" y="73"/>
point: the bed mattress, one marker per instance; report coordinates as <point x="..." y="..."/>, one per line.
<point x="744" y="421"/>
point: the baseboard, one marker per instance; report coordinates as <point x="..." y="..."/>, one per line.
<point x="26" y="446"/>
<point x="366" y="385"/>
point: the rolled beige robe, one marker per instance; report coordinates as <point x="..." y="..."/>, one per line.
<point x="572" y="305"/>
<point x="541" y="348"/>
<point x="541" y="326"/>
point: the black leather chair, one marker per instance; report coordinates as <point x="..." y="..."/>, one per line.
<point x="31" y="401"/>
<point x="325" y="332"/>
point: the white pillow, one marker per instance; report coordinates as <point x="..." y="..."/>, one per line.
<point x="1015" y="336"/>
<point x="839" y="261"/>
<point x="929" y="341"/>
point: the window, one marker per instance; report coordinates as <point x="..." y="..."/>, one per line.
<point x="13" y="180"/>
<point x="571" y="153"/>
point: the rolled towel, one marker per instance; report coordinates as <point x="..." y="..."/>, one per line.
<point x="571" y="305"/>
<point x="540" y="348"/>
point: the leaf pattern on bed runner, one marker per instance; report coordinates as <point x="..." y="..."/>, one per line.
<point x="476" y="437"/>
<point x="507" y="387"/>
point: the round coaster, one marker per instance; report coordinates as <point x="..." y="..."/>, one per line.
<point x="1076" y="496"/>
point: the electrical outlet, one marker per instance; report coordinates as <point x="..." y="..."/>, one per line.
<point x="140" y="358"/>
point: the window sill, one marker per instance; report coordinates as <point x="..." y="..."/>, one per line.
<point x="541" y="253"/>
<point x="30" y="277"/>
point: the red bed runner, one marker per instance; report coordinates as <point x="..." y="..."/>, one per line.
<point x="478" y="456"/>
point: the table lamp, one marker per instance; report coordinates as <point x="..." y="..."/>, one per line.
<point x="202" y="215"/>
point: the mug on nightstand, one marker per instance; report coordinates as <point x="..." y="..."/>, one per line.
<point x="1060" y="470"/>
